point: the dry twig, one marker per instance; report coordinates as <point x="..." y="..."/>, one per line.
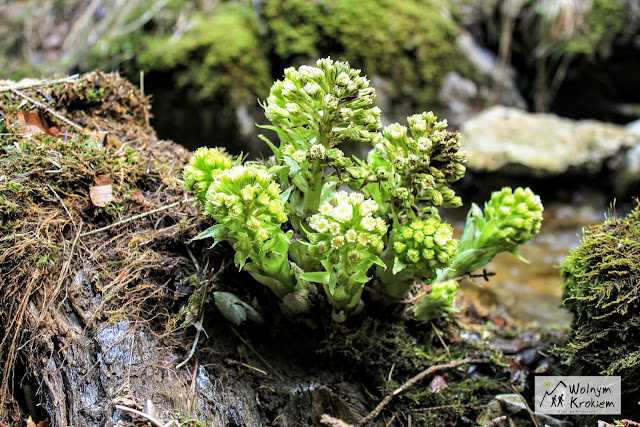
<point x="135" y="217"/>
<point x="257" y="354"/>
<point x="495" y="421"/>
<point x="38" y="83"/>
<point x="153" y="420"/>
<point x="526" y="405"/>
<point x="414" y="380"/>
<point x="47" y="109"/>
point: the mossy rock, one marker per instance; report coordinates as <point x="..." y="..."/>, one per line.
<point x="412" y="43"/>
<point x="601" y="289"/>
<point x="219" y="56"/>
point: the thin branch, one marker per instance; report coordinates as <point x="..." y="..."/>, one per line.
<point x="47" y="109"/>
<point x="495" y="421"/>
<point x="437" y="408"/>
<point x="257" y="354"/>
<point x="526" y="405"/>
<point x="153" y="420"/>
<point x="37" y="83"/>
<point x="413" y="381"/>
<point x="195" y="342"/>
<point x="330" y="421"/>
<point x="135" y="217"/>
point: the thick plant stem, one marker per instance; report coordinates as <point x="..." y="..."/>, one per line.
<point x="311" y="197"/>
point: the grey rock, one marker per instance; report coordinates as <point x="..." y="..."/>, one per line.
<point x="508" y="140"/>
<point x="511" y="406"/>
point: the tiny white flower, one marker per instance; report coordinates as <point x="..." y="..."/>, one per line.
<point x="292" y="107"/>
<point x="337" y="242"/>
<point x="368" y="207"/>
<point x="325" y="208"/>
<point x="442" y="236"/>
<point x="342" y="213"/>
<point x="247" y="192"/>
<point x="262" y="234"/>
<point x="351" y="235"/>
<point x="356" y="198"/>
<point x="397" y="131"/>
<point x="364" y="239"/>
<point x="322" y="225"/>
<point x="299" y="156"/>
<point x="368" y="223"/>
<point x="334" y="228"/>
<point x="317" y="151"/>
<point x="311" y="88"/>
<point x="341" y="197"/>
<point x="330" y="100"/>
<point x="343" y="79"/>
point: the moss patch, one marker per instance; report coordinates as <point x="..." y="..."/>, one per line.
<point x="602" y="291"/>
<point x="412" y="44"/>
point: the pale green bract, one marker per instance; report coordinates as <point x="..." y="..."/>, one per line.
<point x="312" y="216"/>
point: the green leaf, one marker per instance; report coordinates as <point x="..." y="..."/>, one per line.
<point x="323" y="277"/>
<point x="284" y="196"/>
<point x="230" y="306"/>
<point x="398" y="266"/>
<point x="213" y="231"/>
<point x="276" y="286"/>
<point x="360" y="277"/>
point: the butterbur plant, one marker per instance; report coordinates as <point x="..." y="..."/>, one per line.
<point x="310" y="221"/>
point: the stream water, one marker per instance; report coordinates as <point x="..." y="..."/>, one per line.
<point x="532" y="292"/>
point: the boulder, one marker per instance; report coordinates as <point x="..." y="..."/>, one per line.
<point x="515" y="142"/>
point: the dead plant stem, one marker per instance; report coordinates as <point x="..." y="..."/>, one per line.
<point x="257" y="354"/>
<point x="47" y="109"/>
<point x="413" y="381"/>
<point x="37" y="83"/>
<point x="153" y="420"/>
<point x="135" y="217"/>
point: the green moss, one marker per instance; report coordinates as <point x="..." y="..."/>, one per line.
<point x="411" y="43"/>
<point x="601" y="289"/>
<point x="605" y="20"/>
<point x="220" y="55"/>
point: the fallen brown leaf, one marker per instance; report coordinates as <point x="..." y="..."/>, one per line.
<point x="103" y="180"/>
<point x="101" y="195"/>
<point x="33" y="121"/>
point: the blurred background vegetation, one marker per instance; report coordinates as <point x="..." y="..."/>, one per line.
<point x="206" y="62"/>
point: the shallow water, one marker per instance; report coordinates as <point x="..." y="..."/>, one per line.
<point x="532" y="292"/>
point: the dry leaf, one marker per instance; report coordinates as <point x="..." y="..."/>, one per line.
<point x="44" y="423"/>
<point x="103" y="180"/>
<point x="101" y="195"/>
<point x="437" y="384"/>
<point x="29" y="422"/>
<point x="33" y="121"/>
<point x="125" y="401"/>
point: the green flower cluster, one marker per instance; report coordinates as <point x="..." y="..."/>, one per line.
<point x="246" y="201"/>
<point x="438" y="303"/>
<point x="347" y="240"/>
<point x="516" y="215"/>
<point x="510" y="218"/>
<point x="416" y="169"/>
<point x="427" y="245"/>
<point x="416" y="250"/>
<point x="205" y="165"/>
<point x="334" y="237"/>
<point x="324" y="105"/>
<point x="249" y="208"/>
